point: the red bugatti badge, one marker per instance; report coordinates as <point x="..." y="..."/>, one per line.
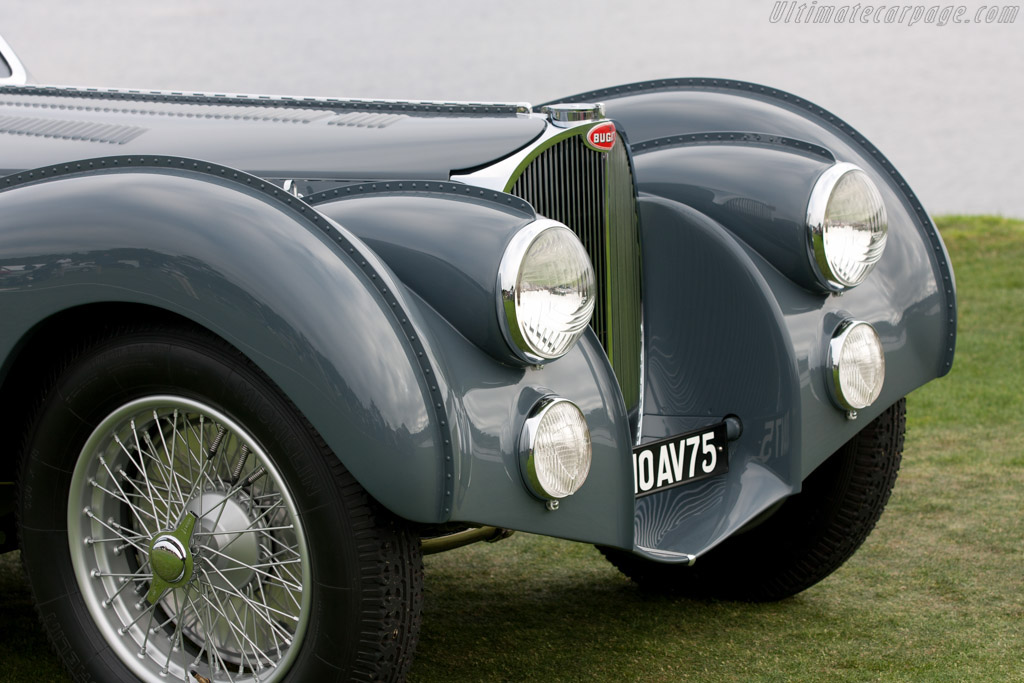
<point x="602" y="136"/>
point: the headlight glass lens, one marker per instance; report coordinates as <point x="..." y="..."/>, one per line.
<point x="556" y="449"/>
<point x="848" y="226"/>
<point x="547" y="291"/>
<point x="858" y="365"/>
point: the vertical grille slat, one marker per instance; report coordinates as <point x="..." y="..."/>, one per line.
<point x="593" y="193"/>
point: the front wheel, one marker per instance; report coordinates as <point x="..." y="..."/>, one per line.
<point x="810" y="536"/>
<point x="180" y="520"/>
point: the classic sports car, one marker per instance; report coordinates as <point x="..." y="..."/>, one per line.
<point x="263" y="353"/>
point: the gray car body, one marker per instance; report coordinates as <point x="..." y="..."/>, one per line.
<point x="372" y="304"/>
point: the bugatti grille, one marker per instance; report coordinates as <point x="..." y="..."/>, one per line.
<point x="592" y="192"/>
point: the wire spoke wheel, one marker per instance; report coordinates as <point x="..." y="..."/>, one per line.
<point x="181" y="520"/>
<point x="225" y="598"/>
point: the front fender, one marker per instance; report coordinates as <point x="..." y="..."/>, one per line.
<point x="305" y="300"/>
<point x="445" y="241"/>
<point x="427" y="421"/>
<point x="734" y="322"/>
<point x="728" y="334"/>
<point x="765" y="131"/>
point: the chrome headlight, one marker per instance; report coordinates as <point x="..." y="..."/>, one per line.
<point x="857" y="364"/>
<point x="545" y="291"/>
<point x="847" y="226"/>
<point x="555" y="449"/>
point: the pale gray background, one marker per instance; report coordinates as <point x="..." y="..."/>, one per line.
<point x="946" y="104"/>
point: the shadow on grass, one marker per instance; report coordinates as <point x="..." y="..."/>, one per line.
<point x="541" y="609"/>
<point x="531" y="608"/>
<point x="25" y="654"/>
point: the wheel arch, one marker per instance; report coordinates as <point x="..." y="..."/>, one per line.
<point x="32" y="363"/>
<point x="307" y="303"/>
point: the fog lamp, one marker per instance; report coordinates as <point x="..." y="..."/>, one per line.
<point x="555" y="450"/>
<point x="857" y="363"/>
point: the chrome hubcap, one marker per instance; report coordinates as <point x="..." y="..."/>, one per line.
<point x="232" y="555"/>
<point x="187" y="546"/>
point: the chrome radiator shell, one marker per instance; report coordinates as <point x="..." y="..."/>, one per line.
<point x="594" y="193"/>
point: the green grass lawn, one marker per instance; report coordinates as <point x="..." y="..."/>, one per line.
<point x="936" y="593"/>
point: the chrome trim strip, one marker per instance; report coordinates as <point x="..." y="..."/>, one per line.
<point x="502" y="175"/>
<point x="638" y="437"/>
<point x="359" y="104"/>
<point x="18" y="74"/>
<point x="671" y="555"/>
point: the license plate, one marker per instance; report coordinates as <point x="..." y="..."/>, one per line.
<point x="680" y="459"/>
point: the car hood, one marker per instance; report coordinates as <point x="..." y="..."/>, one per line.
<point x="266" y="136"/>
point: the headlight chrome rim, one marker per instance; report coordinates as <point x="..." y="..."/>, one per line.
<point x="509" y="292"/>
<point x="846" y="397"/>
<point x="828" y="274"/>
<point x="538" y="481"/>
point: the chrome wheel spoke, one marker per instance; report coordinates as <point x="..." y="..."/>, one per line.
<point x="237" y="532"/>
<point x="174" y="476"/>
<point x="239" y="632"/>
<point x="116" y="529"/>
<point x="234" y="592"/>
<point x="256" y="569"/>
<point x="123" y="497"/>
<point x="213" y="657"/>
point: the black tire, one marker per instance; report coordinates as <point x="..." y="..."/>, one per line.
<point x="810" y="536"/>
<point x="319" y="583"/>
